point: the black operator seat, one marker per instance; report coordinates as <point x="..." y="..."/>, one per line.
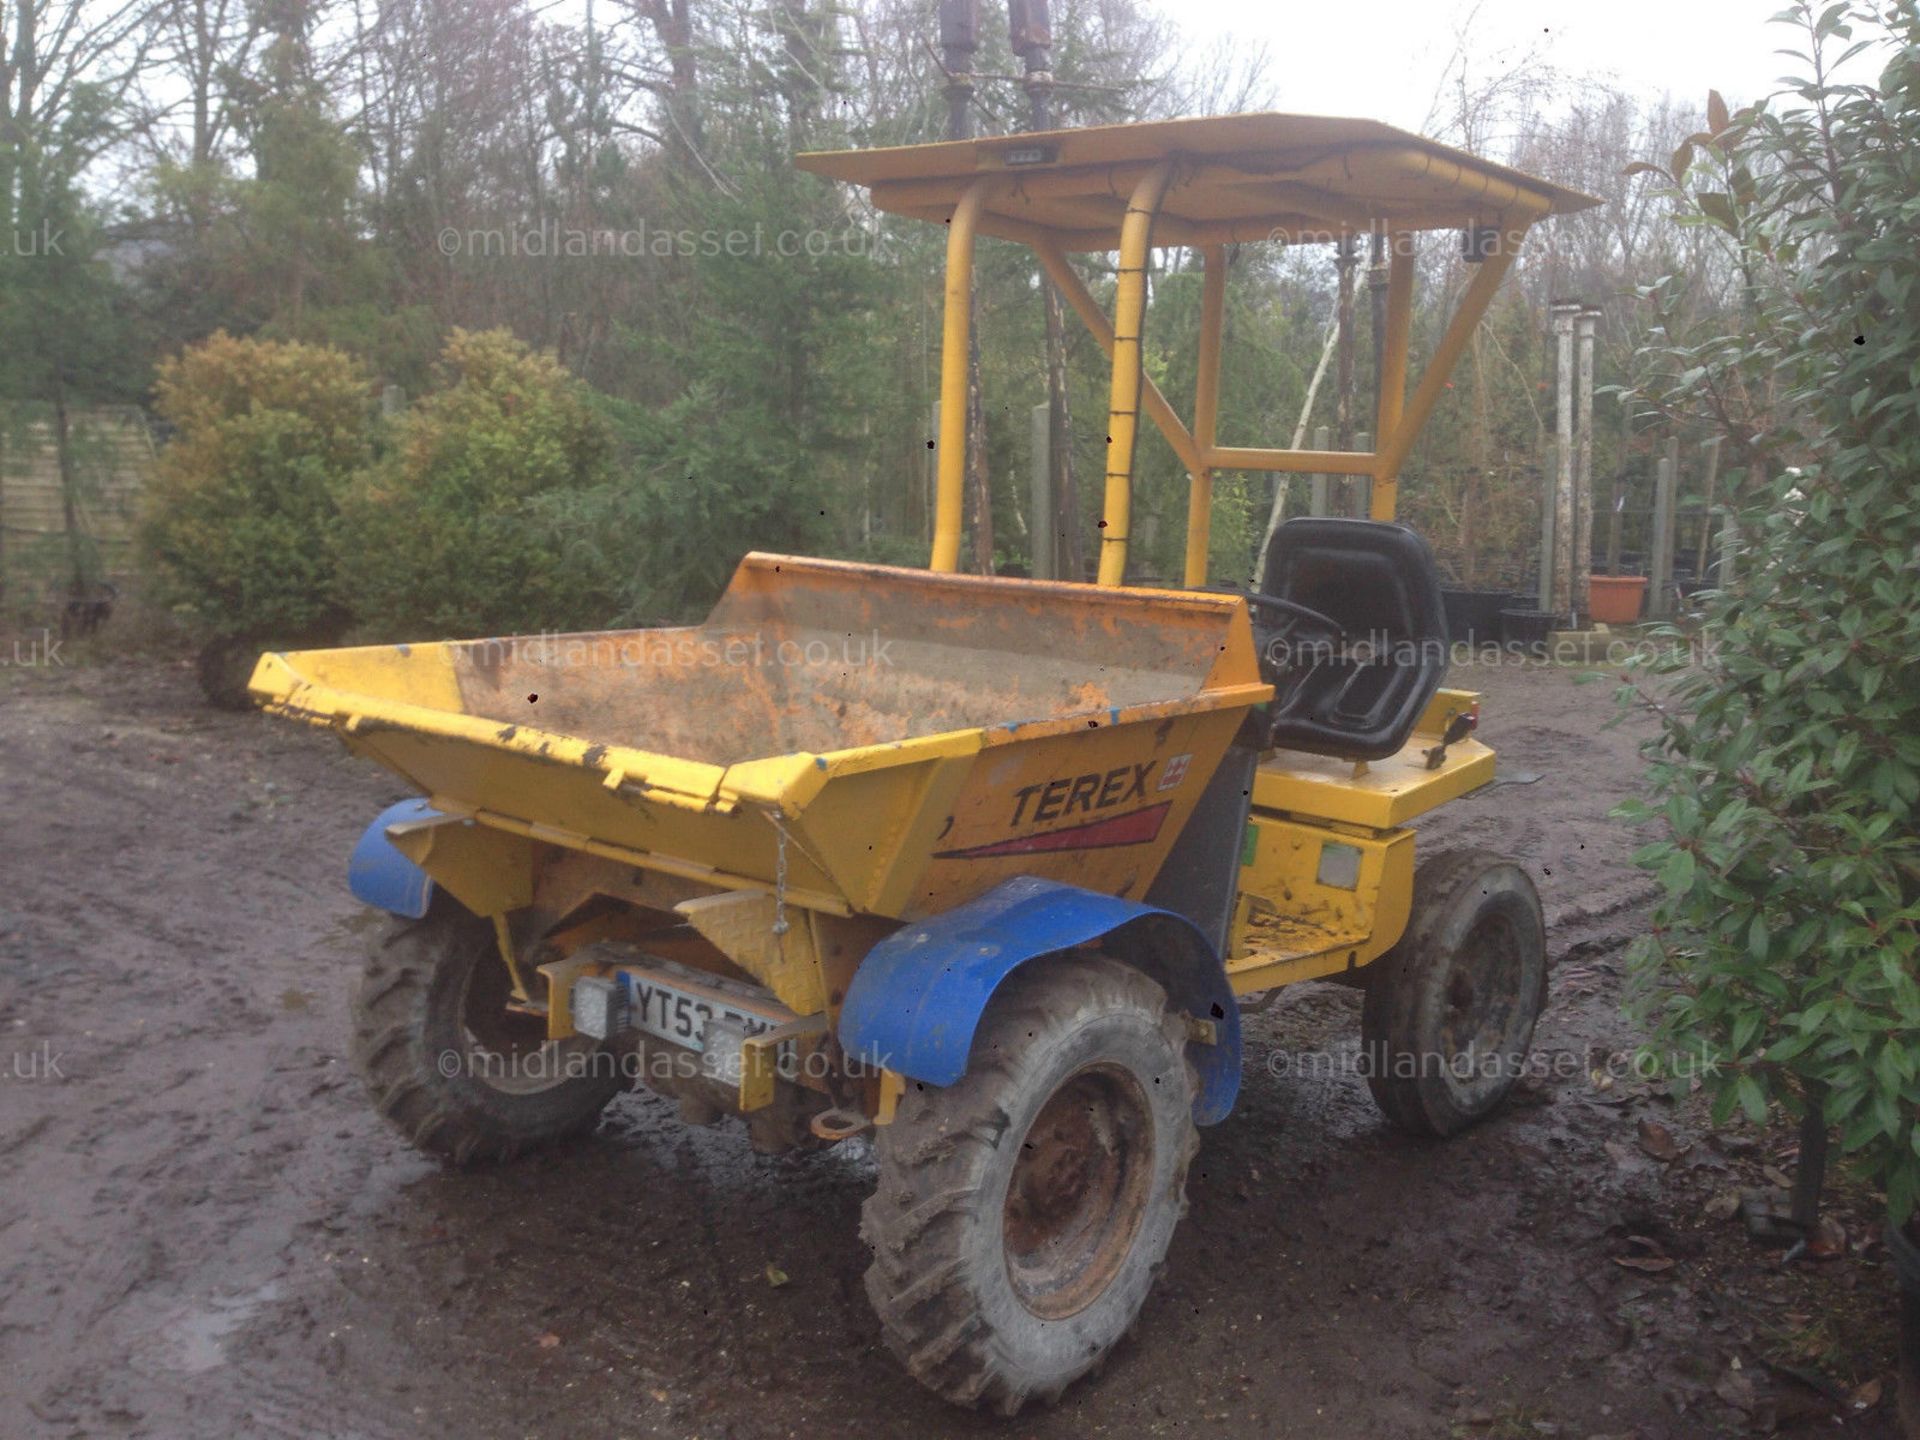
<point x="1358" y="699"/>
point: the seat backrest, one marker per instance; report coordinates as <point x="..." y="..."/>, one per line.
<point x="1379" y="581"/>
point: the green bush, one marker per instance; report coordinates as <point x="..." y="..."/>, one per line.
<point x="241" y="521"/>
<point x="1787" y="773"/>
<point x="482" y="517"/>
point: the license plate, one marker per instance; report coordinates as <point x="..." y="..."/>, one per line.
<point x="681" y="1014"/>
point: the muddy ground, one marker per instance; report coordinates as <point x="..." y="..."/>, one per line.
<point x="207" y="1232"/>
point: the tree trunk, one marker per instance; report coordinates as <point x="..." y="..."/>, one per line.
<point x="672" y="24"/>
<point x="20" y="71"/>
<point x="979" y="478"/>
<point x="202" y="92"/>
<point x="1068" y="548"/>
<point x="1904" y="1243"/>
<point x="5" y="419"/>
<point x="1481" y="461"/>
<point x="1346" y="256"/>
<point x="1810" y="1170"/>
<point x="69" y="503"/>
<point x="1030" y="32"/>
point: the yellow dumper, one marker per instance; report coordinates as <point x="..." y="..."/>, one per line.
<point x="977" y="868"/>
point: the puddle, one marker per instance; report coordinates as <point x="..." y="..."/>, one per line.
<point x="192" y="1339"/>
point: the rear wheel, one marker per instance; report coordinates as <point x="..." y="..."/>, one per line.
<point x="1450" y="1010"/>
<point x="451" y="1062"/>
<point x="1023" y="1212"/>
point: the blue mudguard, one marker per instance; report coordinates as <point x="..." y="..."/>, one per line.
<point x="380" y="875"/>
<point x="919" y="994"/>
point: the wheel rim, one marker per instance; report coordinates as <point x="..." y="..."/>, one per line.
<point x="1077" y="1195"/>
<point x="1484" y="1008"/>
<point x="507" y="1048"/>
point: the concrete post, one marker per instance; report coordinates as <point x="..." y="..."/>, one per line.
<point x="1544" y="591"/>
<point x="1317" y="499"/>
<point x="1561" y="558"/>
<point x="1672" y="533"/>
<point x="1583" y="464"/>
<point x="930" y="475"/>
<point x="1708" y="509"/>
<point x="1362" y="484"/>
<point x="1043" y="535"/>
<point x="1660" y="561"/>
<point x="1614" y="519"/>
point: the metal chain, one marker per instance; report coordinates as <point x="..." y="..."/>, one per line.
<point x="779" y="876"/>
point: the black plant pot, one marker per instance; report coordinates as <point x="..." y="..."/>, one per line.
<point x="1528" y="627"/>
<point x="1473" y="616"/>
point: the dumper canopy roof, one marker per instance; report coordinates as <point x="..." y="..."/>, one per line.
<point x="1242" y="178"/>
<point x="1207" y="184"/>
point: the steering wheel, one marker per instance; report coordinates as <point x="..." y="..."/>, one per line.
<point x="1326" y="628"/>
<point x="1296" y="640"/>
<point x="1292" y="641"/>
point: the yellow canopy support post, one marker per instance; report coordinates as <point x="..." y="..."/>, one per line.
<point x="1391" y="453"/>
<point x="1123" y="407"/>
<point x="1206" y="410"/>
<point x="949" y="513"/>
<point x="1393" y="365"/>
<point x="1292" y="462"/>
<point x="1054" y="260"/>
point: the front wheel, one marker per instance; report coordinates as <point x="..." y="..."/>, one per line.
<point x="1023" y="1212"/>
<point x="1448" y="1021"/>
<point x="452" y="1062"/>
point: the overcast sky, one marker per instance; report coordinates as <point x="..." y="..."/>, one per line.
<point x="1383" y="58"/>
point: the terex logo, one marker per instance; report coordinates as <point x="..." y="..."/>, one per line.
<point x="1081" y="793"/>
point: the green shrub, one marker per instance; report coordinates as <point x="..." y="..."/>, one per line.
<point x="701" y="490"/>
<point x="480" y="519"/>
<point x="1787" y="774"/>
<point x="241" y="521"/>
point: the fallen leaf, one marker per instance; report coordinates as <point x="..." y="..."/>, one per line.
<point x="1829" y="1239"/>
<point x="659" y="1396"/>
<point x="1724" y="1206"/>
<point x="1867" y="1396"/>
<point x="1657" y="1141"/>
<point x="1736" y="1387"/>
<point x="1812" y="1379"/>
<point x="1651" y="1264"/>
<point x="776" y="1277"/>
<point x="1626" y="1156"/>
<point x="1776" y="1176"/>
<point x="548" y="1341"/>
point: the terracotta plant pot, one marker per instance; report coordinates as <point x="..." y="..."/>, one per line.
<point x="1616" y="599"/>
